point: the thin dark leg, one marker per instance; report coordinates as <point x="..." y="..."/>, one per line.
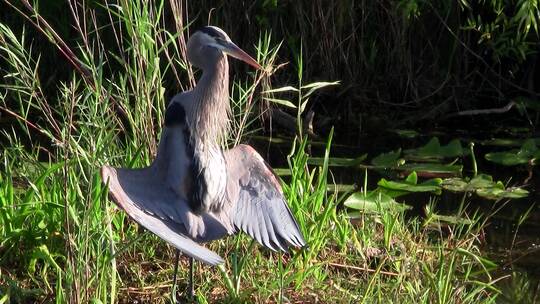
<point x="191" y="287"/>
<point x="173" y="292"/>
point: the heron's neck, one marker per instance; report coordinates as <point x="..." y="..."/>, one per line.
<point x="211" y="110"/>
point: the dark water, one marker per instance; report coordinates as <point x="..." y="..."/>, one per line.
<point x="514" y="246"/>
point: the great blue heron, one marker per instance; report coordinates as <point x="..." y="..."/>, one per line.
<point x="195" y="191"/>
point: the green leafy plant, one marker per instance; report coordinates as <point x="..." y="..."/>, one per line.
<point x="484" y="186"/>
<point x="527" y="154"/>
<point x="433" y="150"/>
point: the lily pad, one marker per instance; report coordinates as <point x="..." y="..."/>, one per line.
<point x="528" y="153"/>
<point x="337" y="161"/>
<point x="434" y="151"/>
<point x="457" y="184"/>
<point x="410" y="184"/>
<point x="388" y="160"/>
<point x="507" y="142"/>
<point x="373" y="202"/>
<point x="406" y="133"/>
<point x="484" y="186"/>
<point x="499" y="192"/>
<point x="432" y="169"/>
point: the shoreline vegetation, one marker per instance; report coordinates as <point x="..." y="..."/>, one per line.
<point x="86" y="84"/>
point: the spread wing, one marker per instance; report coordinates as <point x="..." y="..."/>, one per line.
<point x="168" y="229"/>
<point x="153" y="197"/>
<point x="258" y="206"/>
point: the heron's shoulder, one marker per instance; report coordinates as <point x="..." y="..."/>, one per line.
<point x="176" y="110"/>
<point x="245" y="153"/>
<point x="183" y="98"/>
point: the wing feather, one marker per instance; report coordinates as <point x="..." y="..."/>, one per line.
<point x="258" y="206"/>
<point x="166" y="227"/>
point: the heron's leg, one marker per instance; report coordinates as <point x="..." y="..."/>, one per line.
<point x="173" y="292"/>
<point x="191" y="288"/>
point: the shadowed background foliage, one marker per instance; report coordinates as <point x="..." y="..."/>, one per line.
<point x="399" y="62"/>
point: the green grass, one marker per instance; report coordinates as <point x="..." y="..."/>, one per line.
<point x="62" y="240"/>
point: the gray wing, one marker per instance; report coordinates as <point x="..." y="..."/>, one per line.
<point x="155" y="198"/>
<point x="258" y="206"/>
<point x="168" y="229"/>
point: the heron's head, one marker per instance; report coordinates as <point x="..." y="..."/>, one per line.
<point x="210" y="42"/>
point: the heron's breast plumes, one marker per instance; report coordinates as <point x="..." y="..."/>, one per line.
<point x="209" y="128"/>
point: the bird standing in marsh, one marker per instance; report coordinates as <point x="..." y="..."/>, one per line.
<point x="195" y="191"/>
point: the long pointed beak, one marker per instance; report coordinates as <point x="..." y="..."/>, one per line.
<point x="233" y="50"/>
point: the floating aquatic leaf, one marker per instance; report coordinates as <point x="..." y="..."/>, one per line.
<point x="406" y="133"/>
<point x="432" y="169"/>
<point x="410" y="184"/>
<point x="373" y="202"/>
<point x="453" y="149"/>
<point x="455" y="184"/>
<point x="463" y="185"/>
<point x="433" y="150"/>
<point x="527" y="153"/>
<point x="498" y="192"/>
<point x="484" y="186"/>
<point x="481" y="181"/>
<point x="337" y="161"/>
<point x="507" y="142"/>
<point x="388" y="160"/>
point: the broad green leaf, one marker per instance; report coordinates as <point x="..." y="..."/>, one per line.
<point x="498" y="193"/>
<point x="528" y="152"/>
<point x="406" y="133"/>
<point x="412" y="178"/>
<point x="481" y="181"/>
<point x="397" y="188"/>
<point x="431" y="169"/>
<point x="455" y="184"/>
<point x="373" y="202"/>
<point x="484" y="186"/>
<point x="462" y="185"/>
<point x="502" y="142"/>
<point x="337" y="161"/>
<point x="388" y="160"/>
<point x="506" y="158"/>
<point x="434" y="150"/>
